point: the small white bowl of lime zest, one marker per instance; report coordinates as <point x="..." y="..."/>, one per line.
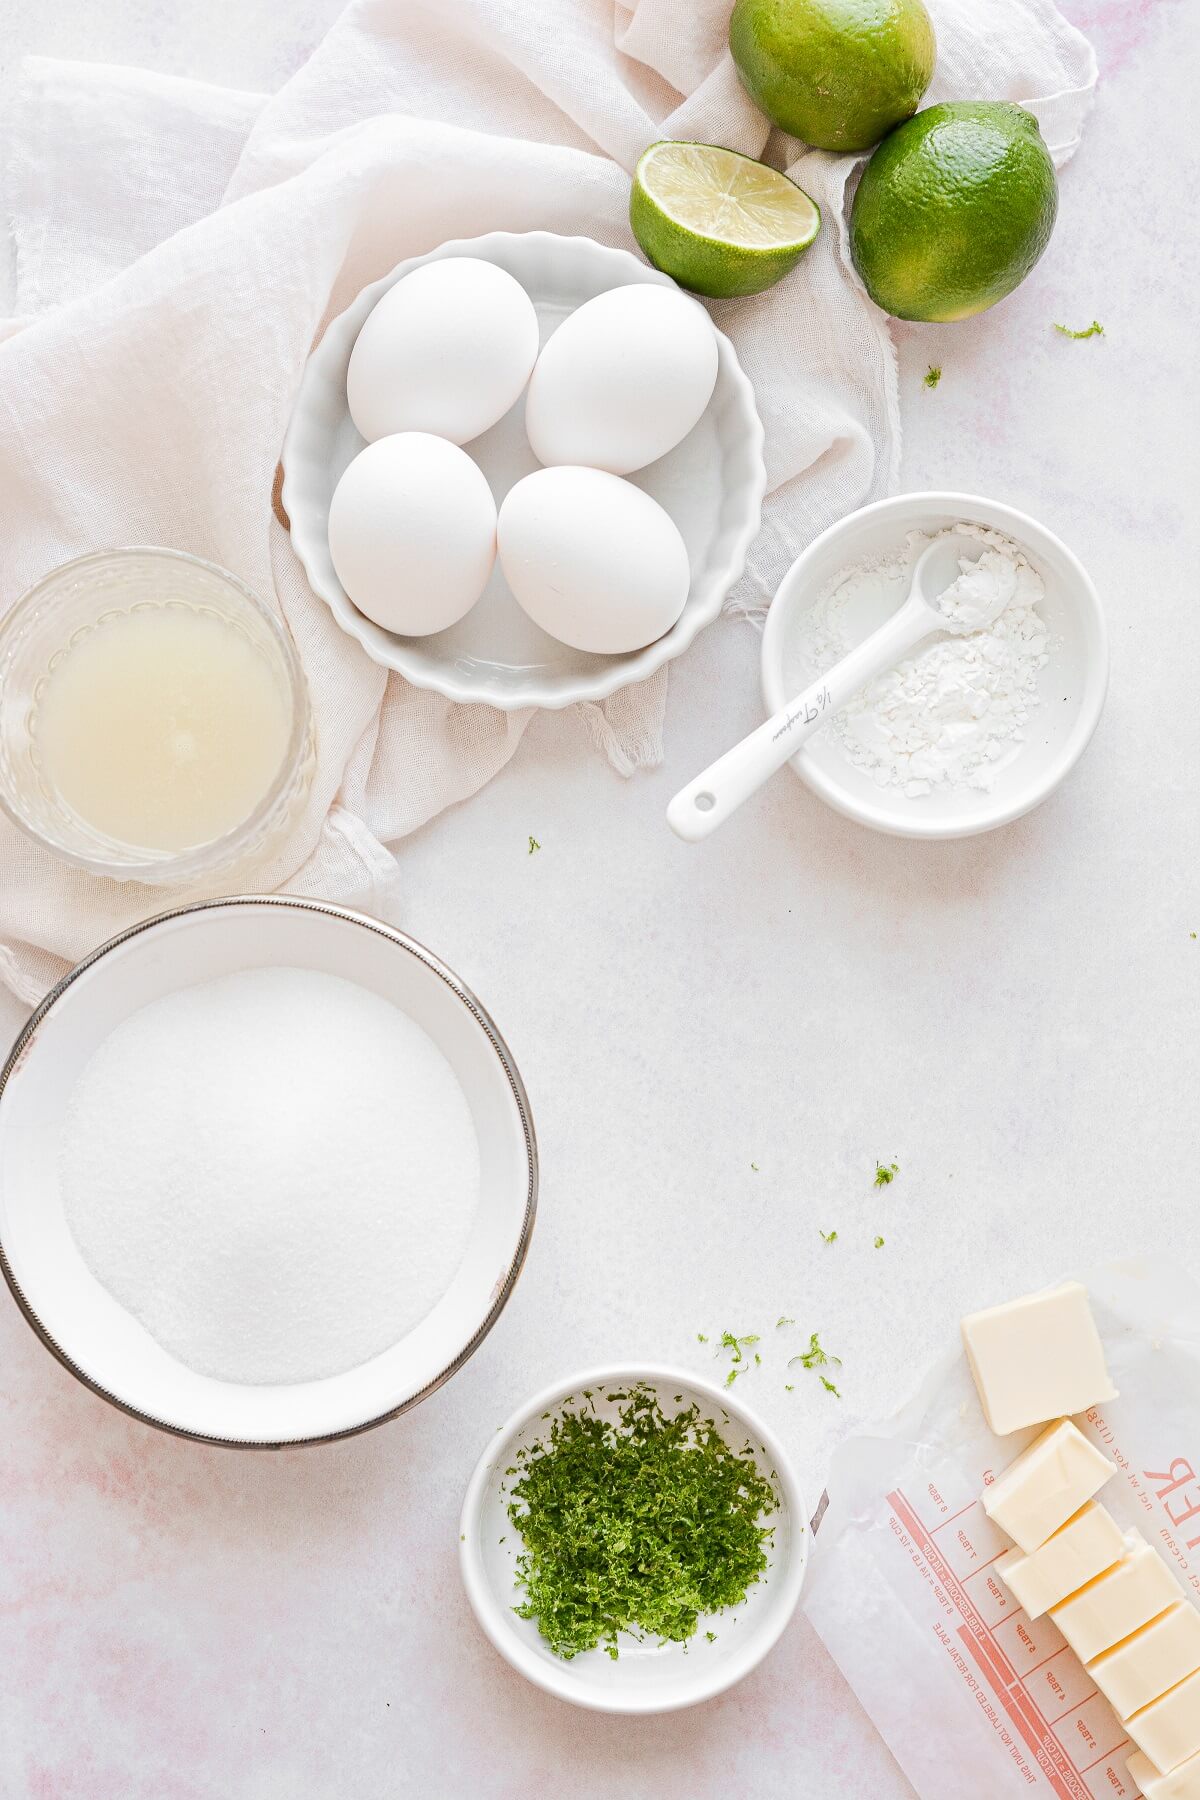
<point x="646" y="1676"/>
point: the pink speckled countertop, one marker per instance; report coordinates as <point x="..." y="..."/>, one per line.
<point x="1012" y="1018"/>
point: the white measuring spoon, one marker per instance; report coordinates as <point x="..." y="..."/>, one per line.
<point x="708" y="801"/>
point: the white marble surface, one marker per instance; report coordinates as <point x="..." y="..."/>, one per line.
<point x="1012" y="1018"/>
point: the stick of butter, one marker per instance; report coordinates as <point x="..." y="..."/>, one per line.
<point x="1157" y="1657"/>
<point x="1116" y="1603"/>
<point x="1048" y="1483"/>
<point x="1182" y="1783"/>
<point x="1168" y="1730"/>
<point x="1079" y="1550"/>
<point x="1037" y="1359"/>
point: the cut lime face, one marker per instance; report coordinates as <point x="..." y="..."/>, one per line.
<point x="718" y="222"/>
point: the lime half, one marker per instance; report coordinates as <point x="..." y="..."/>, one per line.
<point x="717" y="222"/>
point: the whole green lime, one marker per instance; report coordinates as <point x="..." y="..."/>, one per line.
<point x="953" y="210"/>
<point x="836" y="73"/>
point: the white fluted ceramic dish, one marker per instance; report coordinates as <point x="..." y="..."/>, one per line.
<point x="711" y="484"/>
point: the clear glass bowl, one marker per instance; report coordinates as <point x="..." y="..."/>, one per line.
<point x="69" y="603"/>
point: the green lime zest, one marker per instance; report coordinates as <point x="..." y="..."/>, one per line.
<point x="1095" y="329"/>
<point x="816" y="1356"/>
<point x="885" y="1172"/>
<point x="640" y="1524"/>
<point x="932" y="376"/>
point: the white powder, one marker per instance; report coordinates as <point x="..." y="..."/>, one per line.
<point x="276" y="1172"/>
<point x="950" y="715"/>
<point x="982" y="591"/>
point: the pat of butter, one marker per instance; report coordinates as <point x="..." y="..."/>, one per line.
<point x="1037" y="1359"/>
<point x="1182" y="1783"/>
<point x="1168" y="1730"/>
<point x="1048" y="1483"/>
<point x="1116" y="1603"/>
<point x="1079" y="1550"/>
<point x="1157" y="1657"/>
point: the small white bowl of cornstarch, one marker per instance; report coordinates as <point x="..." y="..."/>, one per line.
<point x="267" y="1171"/>
<point x="969" y="732"/>
<point x="634" y="1540"/>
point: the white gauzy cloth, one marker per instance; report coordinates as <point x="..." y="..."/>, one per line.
<point x="179" y="248"/>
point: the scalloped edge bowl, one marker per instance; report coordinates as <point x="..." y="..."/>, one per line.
<point x="712" y="484"/>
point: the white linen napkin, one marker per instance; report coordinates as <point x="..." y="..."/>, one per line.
<point x="179" y="248"/>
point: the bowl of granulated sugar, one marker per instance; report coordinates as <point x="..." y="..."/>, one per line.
<point x="267" y="1172"/>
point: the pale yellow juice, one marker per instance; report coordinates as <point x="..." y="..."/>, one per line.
<point x="162" y="728"/>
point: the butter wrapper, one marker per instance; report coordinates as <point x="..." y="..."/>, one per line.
<point x="971" y="1696"/>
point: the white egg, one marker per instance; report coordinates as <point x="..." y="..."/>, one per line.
<point x="412" y="532"/>
<point x="447" y="350"/>
<point x="592" y="560"/>
<point x="622" y="380"/>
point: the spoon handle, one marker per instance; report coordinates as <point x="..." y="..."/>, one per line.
<point x="707" y="802"/>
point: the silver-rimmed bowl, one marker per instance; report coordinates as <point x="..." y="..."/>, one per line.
<point x="87" y="1329"/>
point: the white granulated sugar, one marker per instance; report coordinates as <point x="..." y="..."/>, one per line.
<point x="276" y="1172"/>
<point x="952" y="714"/>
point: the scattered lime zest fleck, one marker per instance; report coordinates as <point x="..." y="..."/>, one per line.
<point x="933" y="375"/>
<point x="829" y="1387"/>
<point x="643" y="1524"/>
<point x="701" y="1337"/>
<point x="879" y="1243"/>
<point x="711" y="1636"/>
<point x="885" y="1172"/>
<point x="828" y="1237"/>
<point x="1095" y="329"/>
<point x="789" y="1387"/>
<point x="816" y="1356"/>
<point x="533" y="845"/>
<point x="783" y="1320"/>
<point x="754" y="1166"/>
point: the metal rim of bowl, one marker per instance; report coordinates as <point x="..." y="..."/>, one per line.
<point x="217" y="852"/>
<point x="1095" y="686"/>
<point x="637" y="665"/>
<point x="461" y="992"/>
<point x="488" y="1611"/>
